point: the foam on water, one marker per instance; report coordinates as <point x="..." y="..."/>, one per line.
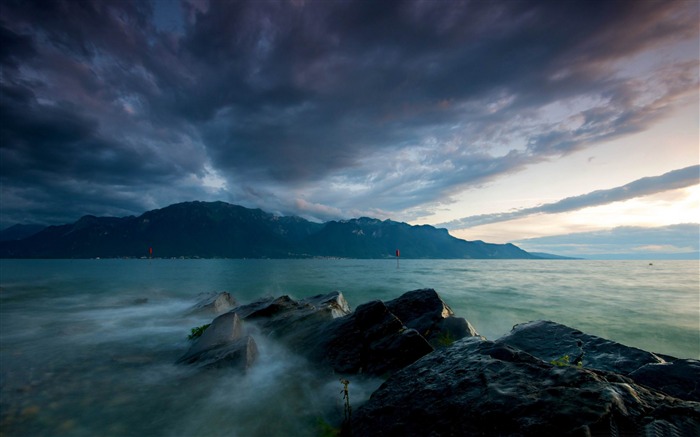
<point x="88" y="347"/>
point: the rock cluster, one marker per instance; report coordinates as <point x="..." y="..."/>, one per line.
<point x="370" y="340"/>
<point x="444" y="379"/>
<point x="478" y="387"/>
<point x="549" y="341"/>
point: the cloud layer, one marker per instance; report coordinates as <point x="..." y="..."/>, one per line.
<point x="672" y="180"/>
<point x="323" y="109"/>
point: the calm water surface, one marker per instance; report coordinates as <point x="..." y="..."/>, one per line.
<point x="87" y="346"/>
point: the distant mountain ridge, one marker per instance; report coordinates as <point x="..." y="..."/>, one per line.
<point x="223" y="230"/>
<point x="18" y="232"/>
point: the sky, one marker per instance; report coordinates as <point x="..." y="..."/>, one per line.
<point x="553" y="125"/>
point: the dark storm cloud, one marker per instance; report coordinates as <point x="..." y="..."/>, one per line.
<point x="682" y="178"/>
<point x="14" y="48"/>
<point x="315" y="106"/>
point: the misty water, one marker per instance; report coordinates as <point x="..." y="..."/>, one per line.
<point x="87" y="347"/>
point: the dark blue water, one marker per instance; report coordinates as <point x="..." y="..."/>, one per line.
<point x="82" y="354"/>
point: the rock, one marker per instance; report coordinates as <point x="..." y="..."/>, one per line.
<point x="679" y="378"/>
<point x="332" y="305"/>
<point x="478" y="387"/>
<point x="266" y="307"/>
<point x="222" y="344"/>
<point x="238" y="354"/>
<point x="419" y="307"/>
<point x="371" y="340"/>
<point x="285" y="318"/>
<point x="451" y="329"/>
<point x="334" y="302"/>
<point x="216" y="303"/>
<point x="550" y="341"/>
<point x="224" y="329"/>
<point x="424" y="311"/>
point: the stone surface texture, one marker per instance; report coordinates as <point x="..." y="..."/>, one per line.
<point x="477" y="387"/>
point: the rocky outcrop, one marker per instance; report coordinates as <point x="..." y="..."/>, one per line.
<point x="478" y="387"/>
<point x="215" y="303"/>
<point x="377" y="338"/>
<point x="679" y="378"/>
<point x="543" y="378"/>
<point x="223" y="344"/>
<point x="370" y="340"/>
<point x="285" y="317"/>
<point x="550" y="341"/>
<point x="424" y="311"/>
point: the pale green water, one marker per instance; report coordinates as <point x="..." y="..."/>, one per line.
<point x="79" y="356"/>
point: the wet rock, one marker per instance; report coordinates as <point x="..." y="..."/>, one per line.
<point x="223" y="344"/>
<point x="266" y="307"/>
<point x="291" y="320"/>
<point x="371" y="340"/>
<point x="478" y="387"/>
<point x="424" y="311"/>
<point x="238" y="354"/>
<point x="550" y="341"/>
<point x="216" y="303"/>
<point x="679" y="378"/>
<point x="333" y="302"/>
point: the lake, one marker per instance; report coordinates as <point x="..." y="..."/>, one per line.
<point x="87" y="346"/>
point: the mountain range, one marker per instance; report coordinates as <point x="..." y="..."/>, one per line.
<point x="223" y="230"/>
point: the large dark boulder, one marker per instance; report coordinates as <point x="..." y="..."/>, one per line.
<point x="370" y="340"/>
<point x="551" y="341"/>
<point x="223" y="344"/>
<point x="424" y="311"/>
<point x="679" y="378"/>
<point x="477" y="387"/>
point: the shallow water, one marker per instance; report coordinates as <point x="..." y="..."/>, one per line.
<point x="87" y="346"/>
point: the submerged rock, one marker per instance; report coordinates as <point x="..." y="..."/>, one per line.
<point x="478" y="387"/>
